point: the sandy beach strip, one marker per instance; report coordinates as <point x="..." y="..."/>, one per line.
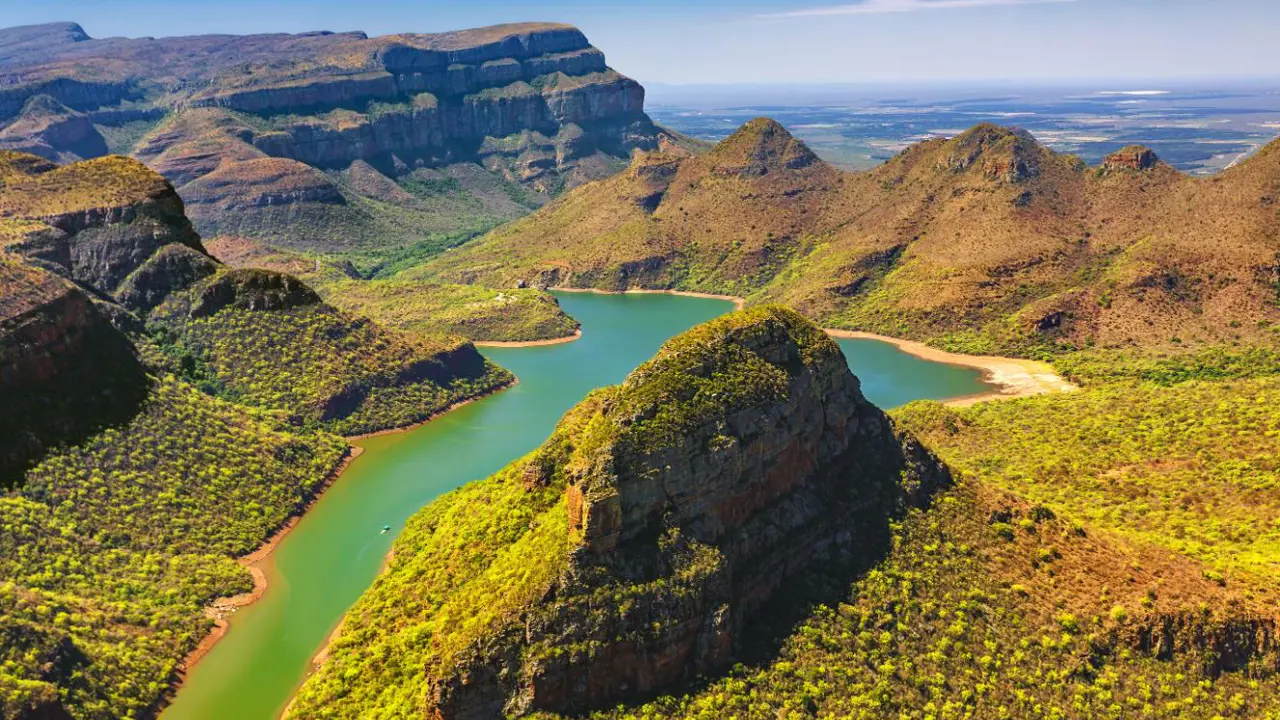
<point x="1010" y="377"/>
<point x="527" y="343"/>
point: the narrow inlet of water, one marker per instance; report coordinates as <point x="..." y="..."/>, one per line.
<point x="335" y="552"/>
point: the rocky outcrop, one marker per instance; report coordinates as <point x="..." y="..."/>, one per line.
<point x="53" y="131"/>
<point x="171" y="269"/>
<point x="534" y="103"/>
<point x="105" y="218"/>
<point x="1004" y="154"/>
<point x="260" y="183"/>
<point x="1134" y="158"/>
<point x="250" y="289"/>
<point x="759" y="147"/>
<point x="741" y="458"/>
<point x="64" y="370"/>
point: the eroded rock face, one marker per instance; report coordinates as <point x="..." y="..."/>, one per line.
<point x="64" y="370"/>
<point x="1134" y="158"/>
<point x="51" y="130"/>
<point x="1002" y="154"/>
<point x="252" y="289"/>
<point x="741" y="458"/>
<point x="329" y="100"/>
<point x="92" y="235"/>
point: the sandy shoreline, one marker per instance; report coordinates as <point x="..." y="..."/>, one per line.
<point x="527" y="343"/>
<point x="1011" y="377"/>
<point x="223" y="608"/>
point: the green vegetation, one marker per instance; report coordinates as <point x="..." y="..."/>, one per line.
<point x="1108" y="553"/>
<point x="1171" y="368"/>
<point x="135" y="491"/>
<point x="963" y="621"/>
<point x="105" y="182"/>
<point x="112" y="548"/>
<point x="322" y="366"/>
<point x="1193" y="468"/>
<point x="470" y="311"/>
<point x="512" y="577"/>
<point x="463" y="567"/>
<point x="123" y="138"/>
<point x="985" y="242"/>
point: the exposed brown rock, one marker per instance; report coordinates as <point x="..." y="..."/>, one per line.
<point x="1134" y="158"/>
<point x="533" y="103"/>
<point x="740" y="458"/>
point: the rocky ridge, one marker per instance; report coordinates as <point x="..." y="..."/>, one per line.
<point x="109" y="242"/>
<point x="534" y="104"/>
<point x="675" y="508"/>
<point x="987" y="241"/>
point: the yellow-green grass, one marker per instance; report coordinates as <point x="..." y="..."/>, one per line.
<point x="322" y="366"/>
<point x="105" y="182"/>
<point x="971" y="617"/>
<point x="474" y="312"/>
<point x="111" y="548"/>
<point x="1194" y="467"/>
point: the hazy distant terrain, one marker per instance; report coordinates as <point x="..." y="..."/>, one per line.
<point x="1198" y="129"/>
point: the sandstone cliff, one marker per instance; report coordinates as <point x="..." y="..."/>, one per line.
<point x="657" y="524"/>
<point x="534" y="104"/>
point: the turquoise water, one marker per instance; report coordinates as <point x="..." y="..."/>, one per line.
<point x="334" y="553"/>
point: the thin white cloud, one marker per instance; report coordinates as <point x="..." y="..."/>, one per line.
<point x="879" y="7"/>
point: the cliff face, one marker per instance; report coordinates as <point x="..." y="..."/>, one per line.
<point x="639" y="543"/>
<point x="98" y="221"/>
<point x="64" y="370"/>
<point x="741" y="458"/>
<point x="535" y="104"/>
<point x="110" y="244"/>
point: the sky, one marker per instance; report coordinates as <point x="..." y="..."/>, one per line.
<point x="778" y="41"/>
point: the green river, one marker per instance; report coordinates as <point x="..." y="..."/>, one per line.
<point x="334" y="553"/>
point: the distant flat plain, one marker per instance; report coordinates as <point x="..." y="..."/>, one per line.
<point x="1200" y="129"/>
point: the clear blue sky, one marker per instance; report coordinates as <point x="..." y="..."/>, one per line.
<point x="780" y="41"/>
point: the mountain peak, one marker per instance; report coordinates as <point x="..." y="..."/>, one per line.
<point x="759" y="147"/>
<point x="1135" y="158"/>
<point x="1002" y="153"/>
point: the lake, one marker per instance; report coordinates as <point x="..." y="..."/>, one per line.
<point x="335" y="552"/>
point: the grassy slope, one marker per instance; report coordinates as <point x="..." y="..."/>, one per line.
<point x="320" y="364"/>
<point x="116" y="541"/>
<point x="403" y="302"/>
<point x="113" y="547"/>
<point x="1040" y="587"/>
<point x="986" y="242"/>
<point x="1191" y="467"/>
<point x="471" y="564"/>
<point x="474" y="312"/>
<point x="106" y="182"/>
<point x="973" y="619"/>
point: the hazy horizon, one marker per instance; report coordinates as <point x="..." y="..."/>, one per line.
<point x="767" y="42"/>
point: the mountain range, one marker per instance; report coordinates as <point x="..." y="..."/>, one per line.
<point x="987" y="241"/>
<point x="332" y="141"/>
<point x="221" y="254"/>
